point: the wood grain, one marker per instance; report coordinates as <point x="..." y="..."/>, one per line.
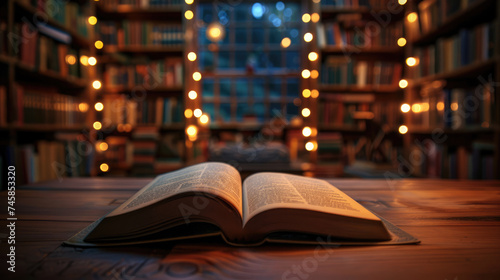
<point x="457" y="221"/>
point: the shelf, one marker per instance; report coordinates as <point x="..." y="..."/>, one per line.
<point x="153" y="13"/>
<point x="464" y="72"/>
<point x="381" y="89"/>
<point x="29" y="73"/>
<point x="157" y="90"/>
<point x="477" y="11"/>
<point x="466" y="130"/>
<point x="76" y="39"/>
<point x="394" y="52"/>
<point x="45" y="127"/>
<point x="145" y="50"/>
<point x="256" y="74"/>
<point x="172" y="126"/>
<point x="5" y="59"/>
<point x="329" y="13"/>
<point x="339" y="128"/>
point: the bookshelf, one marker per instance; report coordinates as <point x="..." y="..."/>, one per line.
<point x="142" y="94"/>
<point x="453" y="124"/>
<point x="45" y="93"/>
<point x="360" y="64"/>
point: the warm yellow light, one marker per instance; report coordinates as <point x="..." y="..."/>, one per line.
<point x="403" y="129"/>
<point x="104" y="167"/>
<point x="98" y="44"/>
<point x="92" y="20"/>
<point x="214" y="32"/>
<point x="403" y="83"/>
<point x="103" y="146"/>
<point x="412" y="17"/>
<point x="401" y="42"/>
<point x="306" y="131"/>
<point x="192" y="130"/>
<point x="192" y="95"/>
<point x="196" y="76"/>
<point x="416" y="108"/>
<point x="189" y="2"/>
<point x="127" y="127"/>
<point x="454" y="106"/>
<point x="96" y="84"/>
<point x="314" y="93"/>
<point x="197" y="113"/>
<point x="97" y="125"/>
<point x="315" y="17"/>
<point x="310" y="146"/>
<point x="84" y="60"/>
<point x="188" y="14"/>
<point x="191" y="56"/>
<point x="411" y="61"/>
<point x="316" y="1"/>
<point x="440" y="106"/>
<point x="405" y="108"/>
<point x="306" y="93"/>
<point x="306" y="17"/>
<point x="402" y="2"/>
<point x="314" y="74"/>
<point x="188" y="113"/>
<point x="285" y="42"/>
<point x="306" y="112"/>
<point x="99" y="106"/>
<point x="204" y="119"/>
<point x="83" y="107"/>
<point x="70" y="59"/>
<point x="312" y="56"/>
<point x="306" y="73"/>
<point x="308" y="37"/>
<point x="425" y="106"/>
<point x="92" y="61"/>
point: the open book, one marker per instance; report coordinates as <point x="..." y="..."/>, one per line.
<point x="209" y="199"/>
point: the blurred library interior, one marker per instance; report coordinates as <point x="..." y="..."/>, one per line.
<point x="327" y="88"/>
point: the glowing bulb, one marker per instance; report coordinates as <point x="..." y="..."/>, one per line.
<point x="196" y="76"/>
<point x="403" y="129"/>
<point x="312" y="56"/>
<point x="96" y="84"/>
<point x="306" y="112"/>
<point x="416" y="108"/>
<point x="412" y="17"/>
<point x="197" y="113"/>
<point x="403" y="83"/>
<point x="104" y="167"/>
<point x="92" y="20"/>
<point x="411" y="61"/>
<point x="70" y="59"/>
<point x="204" y="119"/>
<point x="454" y="106"/>
<point x="425" y="107"/>
<point x="99" y="106"/>
<point x="308" y="37"/>
<point x="440" y="106"/>
<point x="191" y="56"/>
<point x="401" y="42"/>
<point x="92" y="61"/>
<point x="189" y="2"/>
<point x="306" y="131"/>
<point x="103" y="146"/>
<point x="315" y="17"/>
<point x="306" y="73"/>
<point x="306" y="93"/>
<point x="192" y="130"/>
<point x="314" y="93"/>
<point x="192" y="95"/>
<point x="83" y="107"/>
<point x="84" y="60"/>
<point x="314" y="74"/>
<point x="306" y="17"/>
<point x="98" y="44"/>
<point x="188" y="14"/>
<point x="285" y="43"/>
<point x="309" y="146"/>
<point x="97" y="125"/>
<point x="402" y="2"/>
<point x="405" y="108"/>
<point x="188" y="113"/>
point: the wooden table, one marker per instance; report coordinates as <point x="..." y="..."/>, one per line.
<point x="458" y="223"/>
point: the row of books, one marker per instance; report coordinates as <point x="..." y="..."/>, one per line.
<point x="140" y="33"/>
<point x="70" y="14"/>
<point x="347" y="71"/>
<point x="466" y="47"/>
<point x="144" y="4"/>
<point x="144" y="141"/>
<point x="463" y="162"/>
<point x="374" y="4"/>
<point x="361" y="35"/>
<point x="160" y="111"/>
<point x="457" y="108"/>
<point x="432" y="13"/>
<point x="160" y="73"/>
<point x="49" y="160"/>
<point x="45" y="54"/>
<point x="34" y="106"/>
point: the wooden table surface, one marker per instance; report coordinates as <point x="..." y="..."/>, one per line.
<point x="458" y="223"/>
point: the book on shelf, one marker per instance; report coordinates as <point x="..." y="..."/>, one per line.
<point x="143" y="4"/>
<point x="265" y="207"/>
<point x="344" y="71"/>
<point x="342" y="4"/>
<point x="449" y="53"/>
<point x="120" y="151"/>
<point x="140" y="33"/>
<point x="330" y="145"/>
<point x="163" y="73"/>
<point x="145" y="144"/>
<point x="357" y="34"/>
